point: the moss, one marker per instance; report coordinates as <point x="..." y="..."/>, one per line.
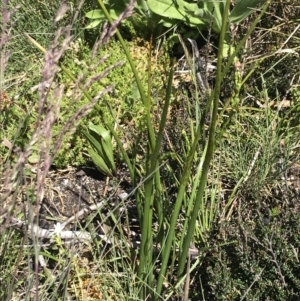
<point x="123" y="103"/>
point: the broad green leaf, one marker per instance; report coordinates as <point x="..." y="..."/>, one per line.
<point x="165" y="8"/>
<point x="105" y="139"/>
<point x="243" y="8"/>
<point x="94" y="24"/>
<point x="181" y="11"/>
<point x="100" y="130"/>
<point x="167" y="24"/>
<point x="34" y="158"/>
<point x="101" y="140"/>
<point x="219" y="7"/>
<point x="141" y="6"/>
<point x="95" y="14"/>
<point x="99" y="162"/>
<point x="211" y="12"/>
<point x="108" y="155"/>
<point x="98" y="16"/>
<point x="135" y="93"/>
<point x="95" y="143"/>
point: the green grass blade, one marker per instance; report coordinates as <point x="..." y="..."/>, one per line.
<point x="177" y="208"/>
<point x="136" y="76"/>
<point x="210" y="146"/>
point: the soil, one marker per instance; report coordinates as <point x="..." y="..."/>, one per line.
<point x="78" y="195"/>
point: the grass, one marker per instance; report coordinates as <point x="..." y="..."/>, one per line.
<point x="209" y="175"/>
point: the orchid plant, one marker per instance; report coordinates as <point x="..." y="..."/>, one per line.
<point x="202" y="14"/>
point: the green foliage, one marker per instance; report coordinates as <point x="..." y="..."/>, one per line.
<point x="143" y="22"/>
<point x="23" y="71"/>
<point x="153" y="208"/>
<point x="98" y="17"/>
<point x="123" y="99"/>
<point x="201" y="15"/>
<point x="101" y="150"/>
<point x="262" y="264"/>
<point x="204" y="13"/>
<point x="153" y="190"/>
<point x="242" y="254"/>
<point x="9" y="252"/>
<point x="38" y="21"/>
<point x="17" y="122"/>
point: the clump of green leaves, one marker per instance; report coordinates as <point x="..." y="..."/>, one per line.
<point x="115" y="8"/>
<point x="101" y="148"/>
<point x="201" y="15"/>
<point x="125" y="99"/>
<point x="122" y="105"/>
